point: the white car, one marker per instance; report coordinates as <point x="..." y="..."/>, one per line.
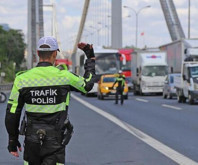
<point x="169" y="88"/>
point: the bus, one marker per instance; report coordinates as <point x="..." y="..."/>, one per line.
<point x="107" y="62"/>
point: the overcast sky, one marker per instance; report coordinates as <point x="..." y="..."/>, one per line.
<point x="151" y="20"/>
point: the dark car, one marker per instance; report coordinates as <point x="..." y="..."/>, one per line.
<point x="169" y="88"/>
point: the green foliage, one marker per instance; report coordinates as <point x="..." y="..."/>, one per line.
<point x="9" y="71"/>
<point x="12" y="48"/>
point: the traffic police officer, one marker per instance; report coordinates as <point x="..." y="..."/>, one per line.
<point x="45" y="92"/>
<point x="120" y="88"/>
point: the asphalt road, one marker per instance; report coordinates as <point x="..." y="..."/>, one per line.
<point x="169" y="122"/>
<point x="99" y="141"/>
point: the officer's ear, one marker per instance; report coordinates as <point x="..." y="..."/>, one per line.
<point x="53" y="57"/>
<point x="54" y="54"/>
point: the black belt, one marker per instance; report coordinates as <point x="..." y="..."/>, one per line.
<point x="49" y="132"/>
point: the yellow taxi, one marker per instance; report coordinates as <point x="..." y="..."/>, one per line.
<point x="105" y="86"/>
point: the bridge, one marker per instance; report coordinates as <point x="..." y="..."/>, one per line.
<point x="146" y="129"/>
<point x="99" y="25"/>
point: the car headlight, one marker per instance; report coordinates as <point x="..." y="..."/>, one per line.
<point x="107" y="88"/>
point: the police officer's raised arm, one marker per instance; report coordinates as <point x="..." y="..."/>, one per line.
<point x="89" y="65"/>
<point x="85" y="83"/>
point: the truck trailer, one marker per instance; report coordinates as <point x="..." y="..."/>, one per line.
<point x="182" y="57"/>
<point x="149" y="70"/>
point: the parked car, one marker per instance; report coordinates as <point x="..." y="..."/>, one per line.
<point x="169" y="89"/>
<point x="105" y="86"/>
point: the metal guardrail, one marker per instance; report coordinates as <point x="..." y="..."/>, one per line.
<point x="6" y="87"/>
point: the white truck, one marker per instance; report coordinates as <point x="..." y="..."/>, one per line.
<point x="182" y="57"/>
<point x="149" y="70"/>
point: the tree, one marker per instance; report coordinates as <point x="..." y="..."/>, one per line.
<point x="12" y="48"/>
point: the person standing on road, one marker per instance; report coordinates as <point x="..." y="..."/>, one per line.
<point x="120" y="88"/>
<point x="45" y="92"/>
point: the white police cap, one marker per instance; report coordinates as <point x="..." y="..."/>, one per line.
<point x="49" y="41"/>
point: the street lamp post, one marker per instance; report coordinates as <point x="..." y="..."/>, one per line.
<point x="136" y="17"/>
<point x="188" y="18"/>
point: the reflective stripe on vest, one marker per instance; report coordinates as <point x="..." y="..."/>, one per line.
<point x="45" y="108"/>
<point x="26" y="163"/>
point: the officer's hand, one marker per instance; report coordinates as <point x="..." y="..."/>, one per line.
<point x="13" y="147"/>
<point x="88" y="49"/>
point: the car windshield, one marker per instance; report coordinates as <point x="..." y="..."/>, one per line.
<point x="152" y="71"/>
<point x="194" y="71"/>
<point x="171" y="79"/>
<point x="107" y="63"/>
<point x="108" y="79"/>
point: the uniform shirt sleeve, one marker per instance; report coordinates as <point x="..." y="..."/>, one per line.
<point x="89" y="74"/>
<point x="85" y="83"/>
<point x="77" y="82"/>
<point x="115" y="82"/>
<point x="13" y="112"/>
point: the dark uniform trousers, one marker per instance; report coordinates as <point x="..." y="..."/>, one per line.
<point x="49" y="153"/>
<point x="119" y="91"/>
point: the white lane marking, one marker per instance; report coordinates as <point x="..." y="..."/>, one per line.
<point x="142" y="100"/>
<point x="170" y="106"/>
<point x="167" y="151"/>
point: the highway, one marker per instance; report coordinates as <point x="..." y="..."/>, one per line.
<point x="146" y="130"/>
